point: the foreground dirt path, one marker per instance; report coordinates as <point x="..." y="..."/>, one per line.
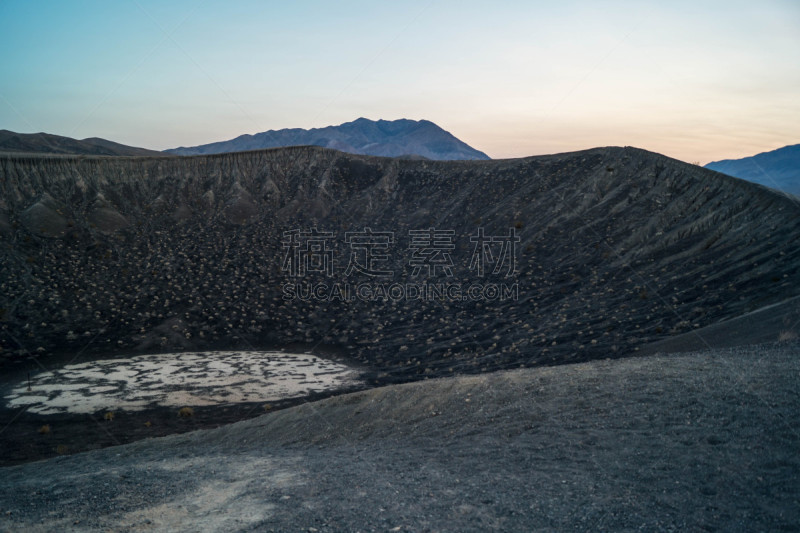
<point x="699" y="441"/>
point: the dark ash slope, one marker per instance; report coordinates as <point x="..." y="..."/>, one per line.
<point x="619" y="247"/>
<point x="698" y="442"/>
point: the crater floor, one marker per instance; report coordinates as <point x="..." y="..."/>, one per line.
<point x="178" y="379"/>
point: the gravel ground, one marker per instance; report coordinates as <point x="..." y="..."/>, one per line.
<point x="698" y="441"/>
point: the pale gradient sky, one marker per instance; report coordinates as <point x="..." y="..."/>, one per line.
<point x="698" y="81"/>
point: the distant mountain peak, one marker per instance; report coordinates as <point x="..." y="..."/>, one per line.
<point x="389" y="138"/>
<point x="778" y="169"/>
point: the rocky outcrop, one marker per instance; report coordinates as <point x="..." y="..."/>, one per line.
<point x="45" y="218"/>
<point x="617" y="247"/>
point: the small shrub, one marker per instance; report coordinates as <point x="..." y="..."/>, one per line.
<point x="148" y="424"/>
<point x="45" y="429"/>
<point x="186" y="412"/>
<point x="62" y="449"/>
<point x="109" y="416"/>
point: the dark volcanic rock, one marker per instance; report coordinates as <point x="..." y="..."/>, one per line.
<point x="619" y="247"/>
<point x="45" y="218"/>
<point x="105" y="217"/>
<point x="391" y="138"/>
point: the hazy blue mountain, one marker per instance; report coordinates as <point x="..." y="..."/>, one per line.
<point x="46" y="143"/>
<point x="779" y="169"/>
<point x="390" y="138"/>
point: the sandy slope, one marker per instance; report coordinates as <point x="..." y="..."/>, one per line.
<point x="698" y="441"/>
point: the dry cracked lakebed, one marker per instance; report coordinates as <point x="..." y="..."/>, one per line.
<point x="178" y="379"/>
<point x="83" y="405"/>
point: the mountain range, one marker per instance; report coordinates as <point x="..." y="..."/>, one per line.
<point x="388" y="138"/>
<point x="778" y="169"/>
<point x="46" y="143"/>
